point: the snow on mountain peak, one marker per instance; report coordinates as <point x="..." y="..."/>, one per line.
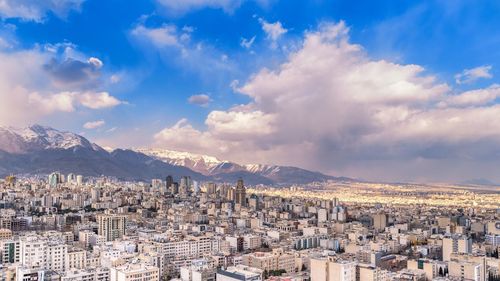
<point x="179" y="155"/>
<point x="36" y="137"/>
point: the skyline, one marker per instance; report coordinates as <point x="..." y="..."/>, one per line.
<point x="377" y="91"/>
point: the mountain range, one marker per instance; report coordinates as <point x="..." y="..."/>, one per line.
<point x="41" y="150"/>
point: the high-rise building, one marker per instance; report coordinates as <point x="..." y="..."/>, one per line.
<point x="456" y="244"/>
<point x="185" y="185"/>
<point x="240" y="193"/>
<point x="54" y="179"/>
<point x="174" y="188"/>
<point x="79" y="179"/>
<point x="211" y="188"/>
<point x="156" y="184"/>
<point x="111" y="226"/>
<point x="71" y="178"/>
<point x="169" y="181"/>
<point x="379" y="221"/>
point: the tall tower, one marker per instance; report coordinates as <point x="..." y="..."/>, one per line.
<point x="170" y="181"/>
<point x="111" y="226"/>
<point x="240" y="193"/>
<point x="54" y="179"/>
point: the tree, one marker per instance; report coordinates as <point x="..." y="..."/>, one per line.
<point x="266" y="274"/>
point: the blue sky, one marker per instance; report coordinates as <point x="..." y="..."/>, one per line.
<point x="215" y="76"/>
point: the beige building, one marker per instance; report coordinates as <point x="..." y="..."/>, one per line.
<point x="367" y="272"/>
<point x="465" y="270"/>
<point x="135" y="272"/>
<point x="270" y="261"/>
<point x="329" y="269"/>
<point x="379" y="221"/>
<point x="430" y="267"/>
<point x="111" y="226"/>
<point x="456" y="244"/>
<point x="5" y="233"/>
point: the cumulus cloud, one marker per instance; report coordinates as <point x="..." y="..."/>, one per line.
<point x="98" y="100"/>
<point x="331" y="107"/>
<point x="273" y="31"/>
<point x="94" y="124"/>
<point x="73" y="72"/>
<point x="471" y="75"/>
<point x="29" y="91"/>
<point x="69" y="101"/>
<point x="201" y="100"/>
<point x="36" y="10"/>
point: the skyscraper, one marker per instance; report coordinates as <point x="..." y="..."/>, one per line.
<point x="240" y="193"/>
<point x="169" y="181"/>
<point x="185" y="185"/>
<point x="211" y="188"/>
<point x="54" y="179"/>
<point x="79" y="179"/>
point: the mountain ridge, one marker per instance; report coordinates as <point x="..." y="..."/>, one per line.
<point x="40" y="149"/>
<point x="214" y="166"/>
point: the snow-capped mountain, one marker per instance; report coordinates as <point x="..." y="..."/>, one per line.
<point x="196" y="162"/>
<point x="41" y="150"/>
<point x="36" y="137"/>
<point x="212" y="166"/>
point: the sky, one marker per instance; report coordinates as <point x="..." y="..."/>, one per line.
<point x="378" y="90"/>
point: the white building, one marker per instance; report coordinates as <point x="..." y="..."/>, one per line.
<point x="239" y="273"/>
<point x="135" y="271"/>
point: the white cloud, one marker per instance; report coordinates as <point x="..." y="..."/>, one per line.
<point x="98" y="100"/>
<point x="201" y="100"/>
<point x="247" y="43"/>
<point x="184" y="6"/>
<point x="115" y="78"/>
<point x="164" y="36"/>
<point x="180" y="7"/>
<point x="94" y="124"/>
<point x="238" y="125"/>
<point x="4" y="44"/>
<point x="274" y="31"/>
<point x="69" y="101"/>
<point x="64" y="102"/>
<point x="36" y="10"/>
<point x="183" y="135"/>
<point x="474" y="97"/>
<point x="97" y="63"/>
<point x="331" y="107"/>
<point x="471" y="75"/>
<point x="174" y="45"/>
<point x="28" y="92"/>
